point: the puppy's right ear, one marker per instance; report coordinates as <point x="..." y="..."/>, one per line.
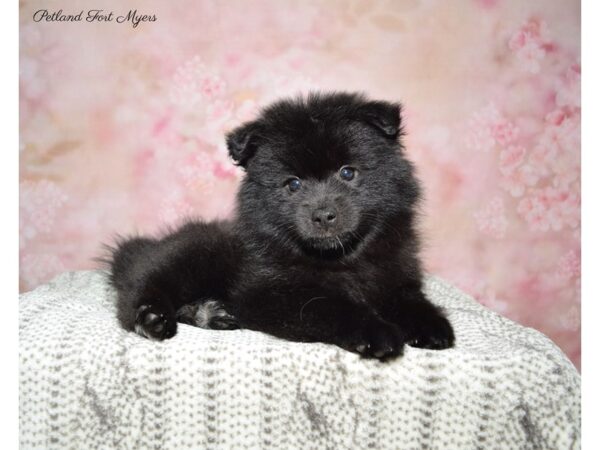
<point x="384" y="116"/>
<point x="242" y="143"/>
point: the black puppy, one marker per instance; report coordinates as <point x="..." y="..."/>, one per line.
<point x="323" y="246"/>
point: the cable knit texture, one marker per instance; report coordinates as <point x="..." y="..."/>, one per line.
<point x="87" y="384"/>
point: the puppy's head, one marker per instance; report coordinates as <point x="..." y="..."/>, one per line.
<point x="324" y="173"/>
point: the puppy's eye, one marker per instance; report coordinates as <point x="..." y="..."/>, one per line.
<point x="347" y="173"/>
<point x="294" y="184"/>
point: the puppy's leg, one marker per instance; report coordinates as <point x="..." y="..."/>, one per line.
<point x="130" y="275"/>
<point x="422" y="324"/>
<point x="319" y="316"/>
<point x="156" y="278"/>
<point x="210" y="314"/>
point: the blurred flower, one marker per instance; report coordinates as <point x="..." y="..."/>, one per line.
<point x="571" y="320"/>
<point x="39" y="203"/>
<point x="193" y="84"/>
<point x="557" y="148"/>
<point x="529" y="44"/>
<point x="491" y="219"/>
<point x="173" y="208"/>
<point x="504" y="132"/>
<point x="32" y="81"/>
<point x="550" y="209"/>
<point x="511" y="158"/>
<point x="569" y="265"/>
<point x="568" y="89"/>
<point x="36" y="269"/>
<point x="479" y="135"/>
<point x="517" y="181"/>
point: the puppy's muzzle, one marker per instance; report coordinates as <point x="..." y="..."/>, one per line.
<point x="324" y="218"/>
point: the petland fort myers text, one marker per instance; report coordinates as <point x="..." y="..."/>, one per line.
<point x="93" y="15"/>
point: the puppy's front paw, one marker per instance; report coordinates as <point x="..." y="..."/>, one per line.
<point x="379" y="339"/>
<point x="154" y="323"/>
<point x="433" y="332"/>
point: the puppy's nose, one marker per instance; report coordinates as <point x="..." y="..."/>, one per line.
<point x="324" y="217"/>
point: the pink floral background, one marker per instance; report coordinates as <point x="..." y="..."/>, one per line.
<point x="122" y="127"/>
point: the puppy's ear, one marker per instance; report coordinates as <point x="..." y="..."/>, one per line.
<point x="242" y="142"/>
<point x="384" y="116"/>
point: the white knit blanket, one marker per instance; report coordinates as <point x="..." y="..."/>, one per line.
<point x="86" y="384"/>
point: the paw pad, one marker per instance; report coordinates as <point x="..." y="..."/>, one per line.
<point x="153" y="323"/>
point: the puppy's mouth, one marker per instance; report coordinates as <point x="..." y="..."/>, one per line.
<point x="331" y="247"/>
<point x="330" y="231"/>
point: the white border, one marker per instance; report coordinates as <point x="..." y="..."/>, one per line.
<point x="9" y="270"/>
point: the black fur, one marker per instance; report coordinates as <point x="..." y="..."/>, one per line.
<point x="334" y="261"/>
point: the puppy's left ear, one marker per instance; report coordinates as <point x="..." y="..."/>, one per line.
<point x="384" y="116"/>
<point x="242" y="143"/>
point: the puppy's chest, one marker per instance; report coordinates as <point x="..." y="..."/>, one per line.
<point x="359" y="283"/>
<point x="362" y="284"/>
